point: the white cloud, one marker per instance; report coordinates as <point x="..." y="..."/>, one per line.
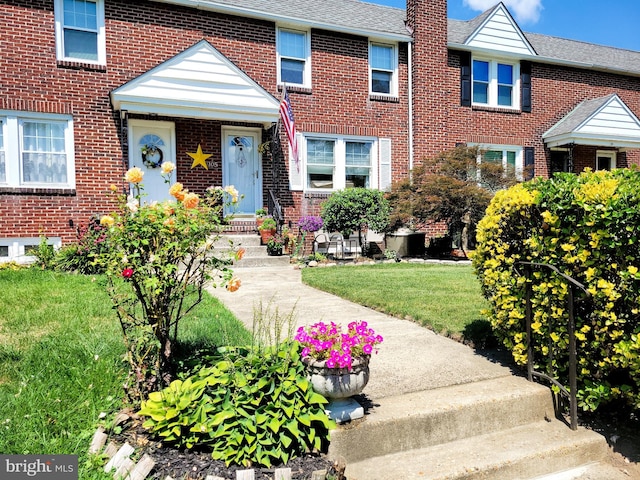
<point x="525" y="11"/>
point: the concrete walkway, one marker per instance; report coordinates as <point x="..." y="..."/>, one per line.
<point x="411" y="358"/>
<point x="439" y="410"/>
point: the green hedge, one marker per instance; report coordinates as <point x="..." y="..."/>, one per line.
<point x="587" y="226"/>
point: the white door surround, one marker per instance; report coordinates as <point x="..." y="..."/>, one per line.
<point x="241" y="166"/>
<point x="162" y="136"/>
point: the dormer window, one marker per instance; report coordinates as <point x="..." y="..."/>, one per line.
<point x="495" y="84"/>
<point x="294" y="58"/>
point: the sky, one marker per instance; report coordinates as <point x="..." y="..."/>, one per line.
<point x="615" y="23"/>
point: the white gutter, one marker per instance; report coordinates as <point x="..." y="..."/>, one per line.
<point x="252" y="13"/>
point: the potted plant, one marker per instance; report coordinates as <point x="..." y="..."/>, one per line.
<point x="275" y="244"/>
<point x="261" y="213"/>
<point x="267" y="229"/>
<point x="337" y="363"/>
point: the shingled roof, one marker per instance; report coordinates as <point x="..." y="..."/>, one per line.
<point x="350" y="16"/>
<point x="559" y="50"/>
<point x="362" y="18"/>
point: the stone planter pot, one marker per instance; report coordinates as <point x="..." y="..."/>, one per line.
<point x="338" y="385"/>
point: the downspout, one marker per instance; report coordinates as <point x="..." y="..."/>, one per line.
<point x="410" y="94"/>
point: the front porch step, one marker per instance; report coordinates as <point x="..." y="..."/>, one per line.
<point x="502" y="428"/>
<point x="522" y="452"/>
<point x="432" y="417"/>
<point x="255" y="254"/>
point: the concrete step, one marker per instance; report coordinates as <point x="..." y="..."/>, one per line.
<point x="441" y="415"/>
<point x="521" y="452"/>
<point x="248" y="240"/>
<point x="501" y="428"/>
<point x="266" y="261"/>
<point x="255" y="254"/>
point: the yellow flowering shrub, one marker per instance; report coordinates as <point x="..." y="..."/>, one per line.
<point x="586" y="226"/>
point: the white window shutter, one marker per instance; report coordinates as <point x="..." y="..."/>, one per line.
<point x="385" y="164"/>
<point x="296" y="175"/>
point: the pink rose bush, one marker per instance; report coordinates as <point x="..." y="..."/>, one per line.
<point x="328" y="342"/>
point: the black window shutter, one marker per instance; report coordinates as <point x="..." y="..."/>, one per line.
<point x="465" y="79"/>
<point x="525" y="82"/>
<point x="529" y="162"/>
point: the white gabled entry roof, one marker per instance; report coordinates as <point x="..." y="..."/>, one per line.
<point x="604" y="121"/>
<point x="198" y="83"/>
<point x="500" y="32"/>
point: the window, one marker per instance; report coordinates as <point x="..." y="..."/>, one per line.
<point x="495" y="84"/>
<point x="21" y="250"/>
<point x="605" y="160"/>
<point x="509" y="157"/>
<point x="383" y="65"/>
<point x="338" y="163"/>
<point x="294" y="58"/>
<point x="38" y="151"/>
<point x="80" y="32"/>
<point x="358" y="164"/>
<point x="320" y="163"/>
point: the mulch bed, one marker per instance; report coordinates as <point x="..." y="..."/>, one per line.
<point x="197" y="465"/>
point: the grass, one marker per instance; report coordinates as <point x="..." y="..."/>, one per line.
<point x="61" y="365"/>
<point x="445" y="298"/>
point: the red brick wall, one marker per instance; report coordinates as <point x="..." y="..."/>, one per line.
<point x="555" y="92"/>
<point x="141" y="35"/>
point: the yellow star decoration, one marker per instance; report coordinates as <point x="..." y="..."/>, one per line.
<point x="199" y="158"/>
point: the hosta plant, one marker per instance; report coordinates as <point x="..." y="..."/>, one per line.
<point x="247" y="406"/>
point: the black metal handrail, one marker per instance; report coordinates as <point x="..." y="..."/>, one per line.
<point x="574" y="285"/>
<point x="275" y="210"/>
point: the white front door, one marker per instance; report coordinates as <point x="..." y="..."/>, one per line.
<point x="241" y="167"/>
<point x="150" y="144"/>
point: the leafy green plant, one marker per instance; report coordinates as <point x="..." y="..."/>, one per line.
<point x="354" y="210"/>
<point x="316" y="257"/>
<point x="249" y="406"/>
<point x="268" y="224"/>
<point x="82" y="255"/>
<point x="159" y="257"/>
<point x="586" y="226"/>
<point x="390" y="254"/>
<point x="44" y="253"/>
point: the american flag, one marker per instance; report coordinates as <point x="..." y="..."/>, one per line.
<point x="286" y="113"/>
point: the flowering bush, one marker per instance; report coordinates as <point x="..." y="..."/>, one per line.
<point x="310" y="223"/>
<point x="159" y="257"/>
<point x="586" y="226"/>
<point x="323" y="341"/>
<point x="81" y="255"/>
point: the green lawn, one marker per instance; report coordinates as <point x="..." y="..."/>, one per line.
<point x="444" y="297"/>
<point x="61" y="353"/>
<point x="61" y="346"/>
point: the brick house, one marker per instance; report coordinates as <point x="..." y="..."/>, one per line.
<point x="118" y="83"/>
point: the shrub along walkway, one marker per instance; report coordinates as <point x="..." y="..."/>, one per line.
<point x="435" y="408"/>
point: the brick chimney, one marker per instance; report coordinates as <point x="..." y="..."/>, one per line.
<point x="432" y="79"/>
